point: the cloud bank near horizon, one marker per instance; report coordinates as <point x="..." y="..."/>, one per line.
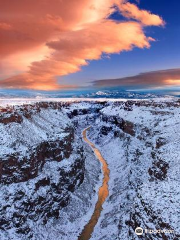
<point x="43" y="39"/>
<point x="155" y="79"/>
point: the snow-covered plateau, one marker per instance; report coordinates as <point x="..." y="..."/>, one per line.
<point x="50" y="177"/>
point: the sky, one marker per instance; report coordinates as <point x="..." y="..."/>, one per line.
<point x="60" y="44"/>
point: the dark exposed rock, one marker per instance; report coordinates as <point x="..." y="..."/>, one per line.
<point x="158" y="170"/>
<point x="77" y="112"/>
<point x="160" y="142"/>
<point x="125" y="126"/>
<point x="14" y="170"/>
<point x="42" y="182"/>
<point x="128" y="127"/>
<point x="80" y="112"/>
<point x="127" y="105"/>
<point x="105" y="130"/>
<point x="14" y="117"/>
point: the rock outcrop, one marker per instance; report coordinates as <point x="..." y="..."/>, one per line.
<point x="13" y="169"/>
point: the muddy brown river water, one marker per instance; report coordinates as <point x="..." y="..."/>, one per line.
<point x="102" y="193"/>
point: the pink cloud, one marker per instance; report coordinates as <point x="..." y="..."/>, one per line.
<point x="130" y="10"/>
<point x="63" y="36"/>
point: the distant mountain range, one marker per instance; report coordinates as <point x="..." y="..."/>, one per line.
<point x="89" y="93"/>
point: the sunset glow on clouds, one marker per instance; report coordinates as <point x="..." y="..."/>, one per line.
<point x="156" y="79"/>
<point x="130" y="10"/>
<point x="43" y="39"/>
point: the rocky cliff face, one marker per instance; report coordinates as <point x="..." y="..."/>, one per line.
<point x="41" y="164"/>
<point x="14" y="170"/>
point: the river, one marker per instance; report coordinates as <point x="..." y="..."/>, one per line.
<point x="102" y="193"/>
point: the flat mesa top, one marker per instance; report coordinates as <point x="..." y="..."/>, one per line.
<point x="21" y="101"/>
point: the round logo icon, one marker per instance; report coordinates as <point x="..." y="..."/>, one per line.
<point x="139" y="231"/>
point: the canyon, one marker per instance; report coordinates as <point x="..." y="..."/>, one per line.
<point x="50" y="177"/>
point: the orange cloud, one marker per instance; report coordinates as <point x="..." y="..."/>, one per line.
<point x="34" y="22"/>
<point x="130" y="10"/>
<point x="5" y="26"/>
<point x="28" y="81"/>
<point x="54" y="38"/>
